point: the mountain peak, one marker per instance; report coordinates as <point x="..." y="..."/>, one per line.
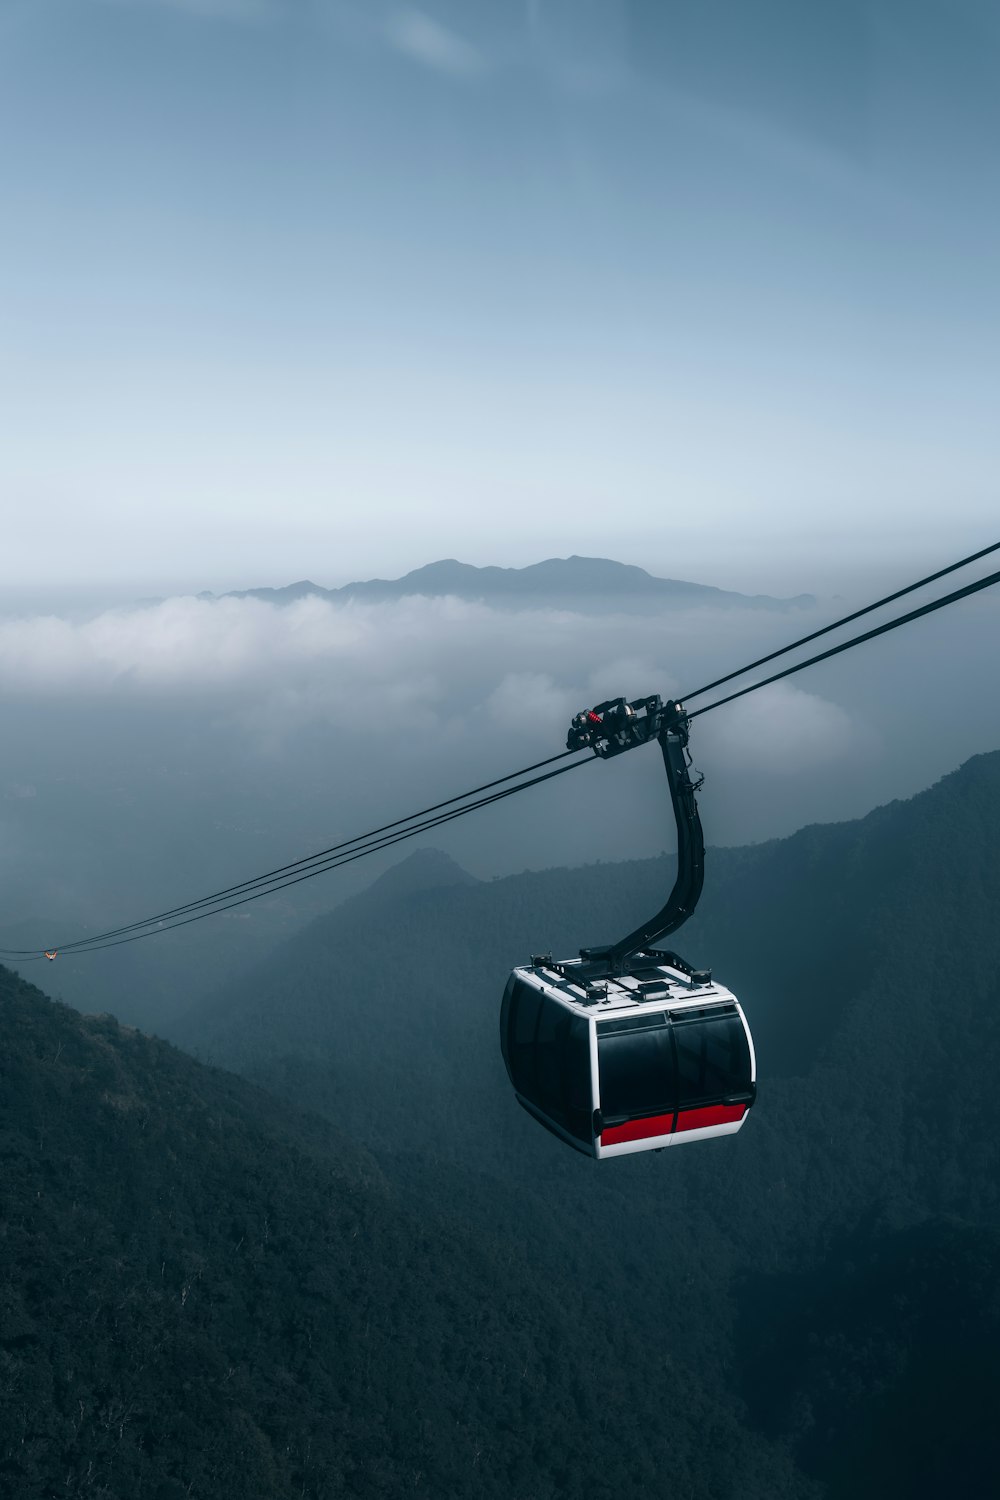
<point x="584" y="583"/>
<point x="423" y="870"/>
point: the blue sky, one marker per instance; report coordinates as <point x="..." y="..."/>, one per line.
<point x="315" y="288"/>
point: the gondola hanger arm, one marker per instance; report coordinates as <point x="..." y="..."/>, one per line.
<point x="609" y="729"/>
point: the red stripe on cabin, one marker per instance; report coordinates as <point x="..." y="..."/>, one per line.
<point x="715" y="1114"/>
<point x="637" y="1130"/>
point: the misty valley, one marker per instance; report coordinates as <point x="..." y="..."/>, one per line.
<point x="319" y="1252"/>
<point x="394" y="393"/>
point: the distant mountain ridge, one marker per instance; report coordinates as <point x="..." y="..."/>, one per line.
<point x="596" y="583"/>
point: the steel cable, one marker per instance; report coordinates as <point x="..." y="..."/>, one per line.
<point x="868" y="635"/>
<point x="384" y="837"/>
<point x="844" y="620"/>
<point x="279" y="880"/>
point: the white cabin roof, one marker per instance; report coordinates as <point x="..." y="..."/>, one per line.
<point x="654" y="987"/>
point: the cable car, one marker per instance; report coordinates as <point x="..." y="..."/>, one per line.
<point x="628" y="1048"/>
<point x="645" y="1059"/>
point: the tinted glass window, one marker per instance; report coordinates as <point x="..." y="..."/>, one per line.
<point x="552" y="1036"/>
<point x="638" y="1022"/>
<point x="562" y="1068"/>
<point x="579" y="1092"/>
<point x="547" y="1052"/>
<point x="713" y="1059"/>
<point x="637" y="1068"/>
<point x="522" y="1022"/>
<point x="506" y="1018"/>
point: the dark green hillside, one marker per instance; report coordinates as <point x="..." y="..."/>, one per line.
<point x="868" y="955"/>
<point x="204" y="1296"/>
<point x="881" y="1367"/>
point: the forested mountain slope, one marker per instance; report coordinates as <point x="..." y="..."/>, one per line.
<point x="409" y="974"/>
<point x="835" y="1265"/>
<point x="204" y="1296"/>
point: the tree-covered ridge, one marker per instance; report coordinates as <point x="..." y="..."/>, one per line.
<point x="868" y="955"/>
<point x="880" y="1368"/>
<point x="406" y="977"/>
<point x="206" y="1296"/>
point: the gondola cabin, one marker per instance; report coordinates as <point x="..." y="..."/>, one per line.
<point x="628" y="1048"/>
<point x="650" y="1058"/>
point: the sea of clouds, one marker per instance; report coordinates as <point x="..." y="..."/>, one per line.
<point x="434" y="668"/>
<point x="153" y="752"/>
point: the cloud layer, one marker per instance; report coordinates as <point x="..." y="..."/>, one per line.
<point x="432" y="664"/>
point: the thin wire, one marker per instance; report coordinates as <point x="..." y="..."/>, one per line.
<point x="845" y="620"/>
<point x="95" y="946"/>
<point x="914" y="614"/>
<point x="325" y="854"/>
<point x="277" y="883"/>
<point x="87" y="945"/>
<point x="365" y="844"/>
<point x="297" y="864"/>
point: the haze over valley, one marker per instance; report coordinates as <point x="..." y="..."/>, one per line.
<point x="228" y="1270"/>
<point x="159" y="751"/>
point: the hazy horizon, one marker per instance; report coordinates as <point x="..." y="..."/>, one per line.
<point x="852" y="581"/>
<point x="331" y="289"/>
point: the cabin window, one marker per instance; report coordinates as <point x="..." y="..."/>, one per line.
<point x="713" y="1059"/>
<point x="562" y="1070"/>
<point x="579" y="1088"/>
<point x="637" y="1068"/>
<point x="547" y="1050"/>
<point x="525" y="1003"/>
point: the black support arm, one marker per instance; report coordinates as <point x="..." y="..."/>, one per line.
<point x="616" y="726"/>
